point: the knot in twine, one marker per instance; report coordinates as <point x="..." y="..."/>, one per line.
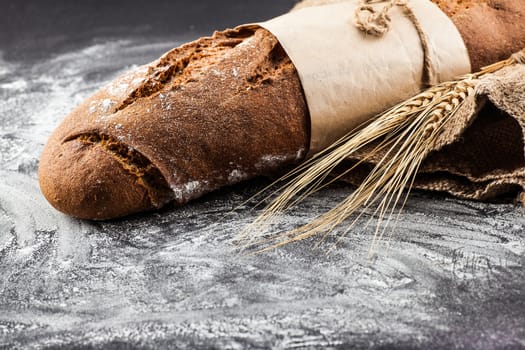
<point x="373" y="22"/>
<point x="377" y="23"/>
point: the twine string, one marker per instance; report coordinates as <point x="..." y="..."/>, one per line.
<point x="377" y="23"/>
<point x="372" y="21"/>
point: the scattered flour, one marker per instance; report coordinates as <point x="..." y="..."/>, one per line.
<point x="14" y="85"/>
<point x="102" y="106"/>
<point x="118" y="89"/>
<point x="35" y="98"/>
<point x="516" y="247"/>
<point x="272" y="161"/>
<point x="236" y="175"/>
<point x="300" y="154"/>
<point x="125" y="84"/>
<point x="218" y="73"/>
<point x="3" y="70"/>
<point x="188" y="190"/>
<point x="5" y="67"/>
<point x="165" y="102"/>
<point x="106" y="104"/>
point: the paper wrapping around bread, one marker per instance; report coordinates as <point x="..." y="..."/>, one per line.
<point x="207" y="114"/>
<point x="349" y="76"/>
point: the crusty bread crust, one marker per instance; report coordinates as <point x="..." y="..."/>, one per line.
<point x="492" y="29"/>
<point x="208" y="114"/>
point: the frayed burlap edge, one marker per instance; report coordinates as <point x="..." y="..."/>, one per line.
<point x="480" y="153"/>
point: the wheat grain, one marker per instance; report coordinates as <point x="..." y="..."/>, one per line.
<point x="406" y="133"/>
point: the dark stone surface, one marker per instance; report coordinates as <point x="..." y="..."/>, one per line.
<point x="451" y="275"/>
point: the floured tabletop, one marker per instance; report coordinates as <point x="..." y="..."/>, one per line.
<point x="452" y="274"/>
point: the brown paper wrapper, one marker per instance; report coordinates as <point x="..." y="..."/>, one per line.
<point x="348" y="76"/>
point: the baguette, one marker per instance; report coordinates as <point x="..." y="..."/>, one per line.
<point x="211" y="113"/>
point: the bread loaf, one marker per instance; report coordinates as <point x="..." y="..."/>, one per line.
<point x="211" y="113"/>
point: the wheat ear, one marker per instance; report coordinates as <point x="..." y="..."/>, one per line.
<point x="406" y="133"/>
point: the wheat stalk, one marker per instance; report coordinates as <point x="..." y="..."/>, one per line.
<point x="406" y="133"/>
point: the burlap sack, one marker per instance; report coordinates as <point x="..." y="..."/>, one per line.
<point x="480" y="154"/>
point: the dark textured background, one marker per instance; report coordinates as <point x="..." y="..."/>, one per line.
<point x="451" y="275"/>
<point x="40" y="27"/>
